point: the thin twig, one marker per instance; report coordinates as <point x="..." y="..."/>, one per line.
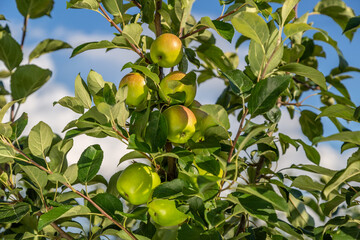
<point x="75" y="191"/>
<point x="63" y="234"/>
<point x="120" y="31"/>
<point x="136" y="4"/>
<point x="237" y="135"/>
<point x="219" y="18"/>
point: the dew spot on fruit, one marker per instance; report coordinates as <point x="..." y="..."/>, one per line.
<point x="155" y="214"/>
<point x="183" y="134"/>
<point x="160" y="57"/>
<point x="126" y="195"/>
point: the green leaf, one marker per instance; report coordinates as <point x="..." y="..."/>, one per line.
<point x="320" y="36"/>
<point x="168" y="189"/>
<point x="218" y="114"/>
<point x="351" y="137"/>
<point x="40" y="139"/>
<point x="265" y="94"/>
<point x="64" y="211"/>
<point x="270" y="196"/>
<point x="89" y="163"/>
<point x="306" y="183"/>
<point x="305" y="71"/>
<point x="72" y="103"/>
<point x="57" y="155"/>
<point x="5" y="108"/>
<point x="19" y="125"/>
<point x="114" y="7"/>
<point x="109" y="203"/>
<point x="91" y="46"/>
<point x="27" y="79"/>
<point x="338" y="110"/>
<point x="130" y="156"/>
<point x="291" y="29"/>
<point x="144" y="70"/>
<point x="338" y="11"/>
<point x="86" y="4"/>
<point x="132" y="33"/>
<point x="225" y="30"/>
<point x="286" y="9"/>
<point x="191" y="56"/>
<point x="35" y="8"/>
<point x="311" y="126"/>
<point x="252" y="26"/>
<point x="156" y="131"/>
<point x="311" y="153"/>
<point x="298" y="213"/>
<point x="2" y="17"/>
<point x="37" y="176"/>
<point x="95" y="82"/>
<point x="82" y="92"/>
<point x="239" y="82"/>
<point x="212" y="54"/>
<point x="353" y="169"/>
<point x="71" y="173"/>
<point x="352" y="24"/>
<point x="10" y="213"/>
<point x="10" y="51"/>
<point x="46" y="46"/>
<point x="7" y="153"/>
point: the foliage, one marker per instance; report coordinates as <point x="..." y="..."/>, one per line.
<point x="224" y="182"/>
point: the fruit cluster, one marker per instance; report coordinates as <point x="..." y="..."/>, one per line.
<point x="184" y="120"/>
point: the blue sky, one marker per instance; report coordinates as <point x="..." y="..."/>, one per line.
<point x="80" y="26"/>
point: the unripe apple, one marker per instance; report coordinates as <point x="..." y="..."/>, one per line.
<point x="166" y="50"/>
<point x="203" y="121"/>
<point x="181" y="123"/>
<point x="137" y="182"/>
<point x="165" y="213"/>
<point x="137" y="89"/>
<point x="171" y="84"/>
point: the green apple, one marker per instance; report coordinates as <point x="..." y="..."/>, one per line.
<point x="137" y="89"/>
<point x="181" y="123"/>
<point x="137" y="182"/>
<point x="166" y="50"/>
<point x="203" y="121"/>
<point x="165" y="213"/>
<point x="171" y="84"/>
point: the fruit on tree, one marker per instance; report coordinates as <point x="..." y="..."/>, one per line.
<point x="165" y="213"/>
<point x="203" y="121"/>
<point x="137" y="89"/>
<point x="166" y="50"/>
<point x="181" y="123"/>
<point x="172" y="89"/>
<point x="137" y="182"/>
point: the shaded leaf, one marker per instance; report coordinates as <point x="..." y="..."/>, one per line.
<point x="89" y="163"/>
<point x="265" y="94"/>
<point x="40" y="139"/>
<point x="27" y="79"/>
<point x="10" y="213"/>
<point x="305" y="71"/>
<point x="46" y="46"/>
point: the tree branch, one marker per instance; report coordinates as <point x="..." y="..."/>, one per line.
<point x="237" y="135"/>
<point x="75" y="191"/>
<point x="137" y="4"/>
<point x="219" y="18"/>
<point x="139" y="52"/>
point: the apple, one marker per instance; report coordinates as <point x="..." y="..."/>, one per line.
<point x="165" y="213"/>
<point x="181" y="123"/>
<point x="166" y="50"/>
<point x="137" y="182"/>
<point x="137" y="89"/>
<point x="171" y="84"/>
<point x="203" y="121"/>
